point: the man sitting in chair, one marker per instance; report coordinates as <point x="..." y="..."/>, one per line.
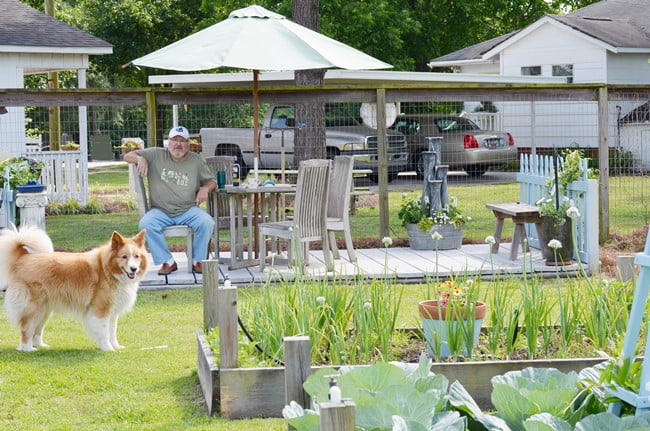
<point x="179" y="180"/>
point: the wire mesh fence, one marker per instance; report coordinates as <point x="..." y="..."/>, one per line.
<point x="483" y="130"/>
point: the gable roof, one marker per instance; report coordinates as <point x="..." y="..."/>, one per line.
<point x="24" y="29"/>
<point x="620" y="25"/>
<point x="640" y="114"/>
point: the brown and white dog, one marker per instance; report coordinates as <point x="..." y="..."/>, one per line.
<point x="97" y="286"/>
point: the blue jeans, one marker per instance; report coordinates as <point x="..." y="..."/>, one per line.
<point x="155" y="220"/>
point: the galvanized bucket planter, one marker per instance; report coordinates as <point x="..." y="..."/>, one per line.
<point x="452" y="238"/>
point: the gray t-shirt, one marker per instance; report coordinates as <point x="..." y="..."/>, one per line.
<point x="173" y="185"/>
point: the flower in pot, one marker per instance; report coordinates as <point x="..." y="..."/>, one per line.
<point x="558" y="211"/>
<point x="452" y="322"/>
<point x="556" y="227"/>
<point x="195" y="145"/>
<point x="420" y="226"/>
<point x="70" y="146"/>
<point x="129" y="146"/>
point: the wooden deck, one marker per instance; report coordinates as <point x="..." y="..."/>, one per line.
<point x="404" y="265"/>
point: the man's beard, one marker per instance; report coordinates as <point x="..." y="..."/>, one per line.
<point x="179" y="154"/>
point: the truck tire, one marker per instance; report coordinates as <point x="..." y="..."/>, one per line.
<point x="330" y="153"/>
<point x="375" y="177"/>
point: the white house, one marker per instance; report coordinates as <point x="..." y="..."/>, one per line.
<point x="33" y="42"/>
<point x="606" y="42"/>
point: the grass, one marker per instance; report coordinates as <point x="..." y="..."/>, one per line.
<point x="150" y="385"/>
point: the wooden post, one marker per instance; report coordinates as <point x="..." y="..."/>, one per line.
<point x="297" y="368"/>
<point x="210" y="286"/>
<point x="382" y="162"/>
<point x="603" y="164"/>
<point x="625" y="268"/>
<point x="152" y="120"/>
<point x="227" y="321"/>
<point x="337" y="416"/>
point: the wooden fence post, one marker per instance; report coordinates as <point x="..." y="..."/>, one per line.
<point x="210" y="286"/>
<point x="337" y="416"/>
<point x="297" y="360"/>
<point x="625" y="268"/>
<point x="227" y="322"/>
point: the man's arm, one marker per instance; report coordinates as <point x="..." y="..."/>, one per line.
<point x="140" y="162"/>
<point x="206" y="187"/>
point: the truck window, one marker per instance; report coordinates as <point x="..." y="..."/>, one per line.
<point x="282" y="117"/>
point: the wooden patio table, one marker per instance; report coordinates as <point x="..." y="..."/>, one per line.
<point x="244" y="217"/>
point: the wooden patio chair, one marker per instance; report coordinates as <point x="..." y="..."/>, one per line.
<point x="338" y="204"/>
<point x="142" y="195"/>
<point x="218" y="205"/>
<point x="309" y="218"/>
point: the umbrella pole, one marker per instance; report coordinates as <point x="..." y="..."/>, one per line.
<point x="256" y="152"/>
<point x="256" y="124"/>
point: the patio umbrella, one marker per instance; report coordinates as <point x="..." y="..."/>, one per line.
<point x="258" y="39"/>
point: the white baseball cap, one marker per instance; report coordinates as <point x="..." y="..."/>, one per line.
<point x="179" y="131"/>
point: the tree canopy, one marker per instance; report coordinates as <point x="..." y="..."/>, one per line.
<point x="404" y="33"/>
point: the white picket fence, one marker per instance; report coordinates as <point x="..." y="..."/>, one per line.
<point x="63" y="173"/>
<point x="534" y="172"/>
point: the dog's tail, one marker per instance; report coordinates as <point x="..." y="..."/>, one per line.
<point x="16" y="243"/>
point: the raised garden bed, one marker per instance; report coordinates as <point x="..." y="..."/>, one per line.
<point x="239" y="393"/>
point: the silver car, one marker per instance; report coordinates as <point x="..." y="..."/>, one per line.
<point x="464" y="144"/>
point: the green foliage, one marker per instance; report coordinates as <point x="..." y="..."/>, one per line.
<point x="21" y="171"/>
<point x="412" y="211"/>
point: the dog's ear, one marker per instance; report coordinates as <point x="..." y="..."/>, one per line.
<point x="139" y="238"/>
<point x="117" y="240"/>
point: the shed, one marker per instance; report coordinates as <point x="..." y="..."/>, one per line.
<point x="33" y="42"/>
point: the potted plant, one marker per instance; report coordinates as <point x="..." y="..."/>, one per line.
<point x="195" y="145"/>
<point x="452" y="322"/>
<point x="447" y="221"/>
<point x="129" y="145"/>
<point x="557" y="210"/>
<point x="70" y="146"/>
<point x="22" y="170"/>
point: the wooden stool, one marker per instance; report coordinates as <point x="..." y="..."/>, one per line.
<point x="520" y="214"/>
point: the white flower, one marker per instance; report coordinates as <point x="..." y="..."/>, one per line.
<point x="555" y="244"/>
<point x="469" y="218"/>
<point x="293" y="410"/>
<point x="573" y="213"/>
<point x="387" y="241"/>
<point x="436" y="236"/>
<point x="367" y="305"/>
<point x="399" y="424"/>
<point x="453" y="200"/>
<point x="404" y="194"/>
<point x="490" y="240"/>
<point x="320" y="300"/>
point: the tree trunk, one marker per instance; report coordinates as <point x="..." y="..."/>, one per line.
<point x="309" y="141"/>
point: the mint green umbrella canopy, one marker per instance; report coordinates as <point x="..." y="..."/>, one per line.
<point x="258" y="39"/>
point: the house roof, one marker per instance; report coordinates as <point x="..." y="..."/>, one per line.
<point x="24" y="29"/>
<point x="622" y="25"/>
<point x="640" y="114"/>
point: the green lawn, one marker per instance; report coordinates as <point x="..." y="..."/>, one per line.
<point x="150" y="385"/>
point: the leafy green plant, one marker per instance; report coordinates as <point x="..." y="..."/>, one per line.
<point x="384" y="395"/>
<point x="21" y="171"/>
<point x="411" y="211"/>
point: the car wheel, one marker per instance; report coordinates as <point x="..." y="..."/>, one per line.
<point x="476" y="170"/>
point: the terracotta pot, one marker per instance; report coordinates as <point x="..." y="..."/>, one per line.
<point x="431" y="310"/>
<point x="436" y="325"/>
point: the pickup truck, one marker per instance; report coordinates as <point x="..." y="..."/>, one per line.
<point x="344" y="135"/>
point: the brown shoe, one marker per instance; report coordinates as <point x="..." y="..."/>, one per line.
<point x="167" y="269"/>
<point x="198" y="268"/>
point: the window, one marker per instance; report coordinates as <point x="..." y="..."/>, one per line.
<point x="531" y="70"/>
<point x="564" y="70"/>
